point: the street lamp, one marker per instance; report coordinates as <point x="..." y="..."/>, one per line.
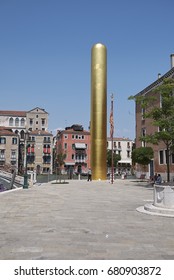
<point x="25" y="185"/>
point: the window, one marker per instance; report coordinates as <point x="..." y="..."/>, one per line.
<point x="13" y="154"/>
<point x="43" y="121"/>
<point x="47" y="139"/>
<point x="31" y="121"/>
<point x="73" y="136"/>
<point x="2" y="154"/>
<point x="119" y="145"/>
<point x="172" y="158"/>
<point x="2" y="140"/>
<point x="143" y="134"/>
<point x="14" y="141"/>
<point x="11" y="122"/>
<point x="17" y="122"/>
<point x="22" y="122"/>
<point x="161" y="157"/>
<point x="31" y="138"/>
<point x="37" y="116"/>
<point x="36" y="122"/>
<point x="22" y="134"/>
<point x="160" y="101"/>
<point x="142" y="112"/>
<point x="66" y="136"/>
<point x="65" y="145"/>
<point x="128" y="154"/>
<point x="72" y="156"/>
<point x="46" y="159"/>
<point x="73" y="146"/>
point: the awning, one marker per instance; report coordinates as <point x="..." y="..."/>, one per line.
<point x="124" y="161"/>
<point x="80" y="146"/>
<point x="69" y="163"/>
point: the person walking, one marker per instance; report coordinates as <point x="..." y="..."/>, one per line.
<point x="89" y="175"/>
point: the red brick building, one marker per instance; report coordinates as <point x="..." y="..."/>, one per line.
<point x="145" y="127"/>
<point x="74" y="141"/>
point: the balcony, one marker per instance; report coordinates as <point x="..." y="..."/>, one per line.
<point x="80" y="160"/>
<point x="46" y="140"/>
<point x="2" y="158"/>
<point x="13" y="160"/>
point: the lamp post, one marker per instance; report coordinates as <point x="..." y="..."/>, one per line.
<point x="25" y="185"/>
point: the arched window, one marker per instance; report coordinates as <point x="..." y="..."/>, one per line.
<point x="11" y="122"/>
<point x="22" y="134"/>
<point x="17" y="122"/>
<point x="22" y="122"/>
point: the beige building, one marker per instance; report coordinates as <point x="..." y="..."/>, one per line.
<point x="39" y="151"/>
<point x="9" y="143"/>
<point x="33" y="121"/>
<point x="122" y="147"/>
<point x="37" y="119"/>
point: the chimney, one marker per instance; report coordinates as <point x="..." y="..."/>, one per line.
<point x="172" y="60"/>
<point x="159" y="75"/>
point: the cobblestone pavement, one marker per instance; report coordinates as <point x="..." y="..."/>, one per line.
<point x="83" y="220"/>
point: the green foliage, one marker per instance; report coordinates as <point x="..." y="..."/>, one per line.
<point x="116" y="158"/>
<point x="61" y="156"/>
<point x="142" y="155"/>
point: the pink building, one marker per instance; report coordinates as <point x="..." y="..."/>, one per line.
<point x="74" y="141"/>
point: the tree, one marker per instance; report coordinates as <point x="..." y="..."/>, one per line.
<point x="162" y="117"/>
<point x="61" y="156"/>
<point x="142" y="155"/>
<point x="116" y="158"/>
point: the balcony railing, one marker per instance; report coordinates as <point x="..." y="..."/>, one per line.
<point x="46" y="141"/>
<point x="2" y="158"/>
<point x="80" y="160"/>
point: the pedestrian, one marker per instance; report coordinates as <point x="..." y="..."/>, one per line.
<point x="158" y="180"/>
<point x="89" y="175"/>
<point x="154" y="178"/>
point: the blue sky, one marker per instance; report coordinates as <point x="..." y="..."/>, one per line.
<point x="45" y="55"/>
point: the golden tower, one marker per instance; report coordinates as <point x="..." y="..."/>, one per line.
<point x="98" y="124"/>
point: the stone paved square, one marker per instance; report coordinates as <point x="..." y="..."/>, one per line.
<point x="83" y="220"/>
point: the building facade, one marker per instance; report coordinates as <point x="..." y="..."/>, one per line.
<point x="37" y="119"/>
<point x="34" y="121"/>
<point x="122" y="147"/>
<point x="145" y="127"/>
<point x="39" y="148"/>
<point x="74" y="142"/>
<point x="9" y="150"/>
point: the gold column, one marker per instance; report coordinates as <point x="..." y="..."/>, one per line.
<point x="98" y="125"/>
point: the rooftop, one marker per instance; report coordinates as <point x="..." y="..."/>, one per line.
<point x="155" y="84"/>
